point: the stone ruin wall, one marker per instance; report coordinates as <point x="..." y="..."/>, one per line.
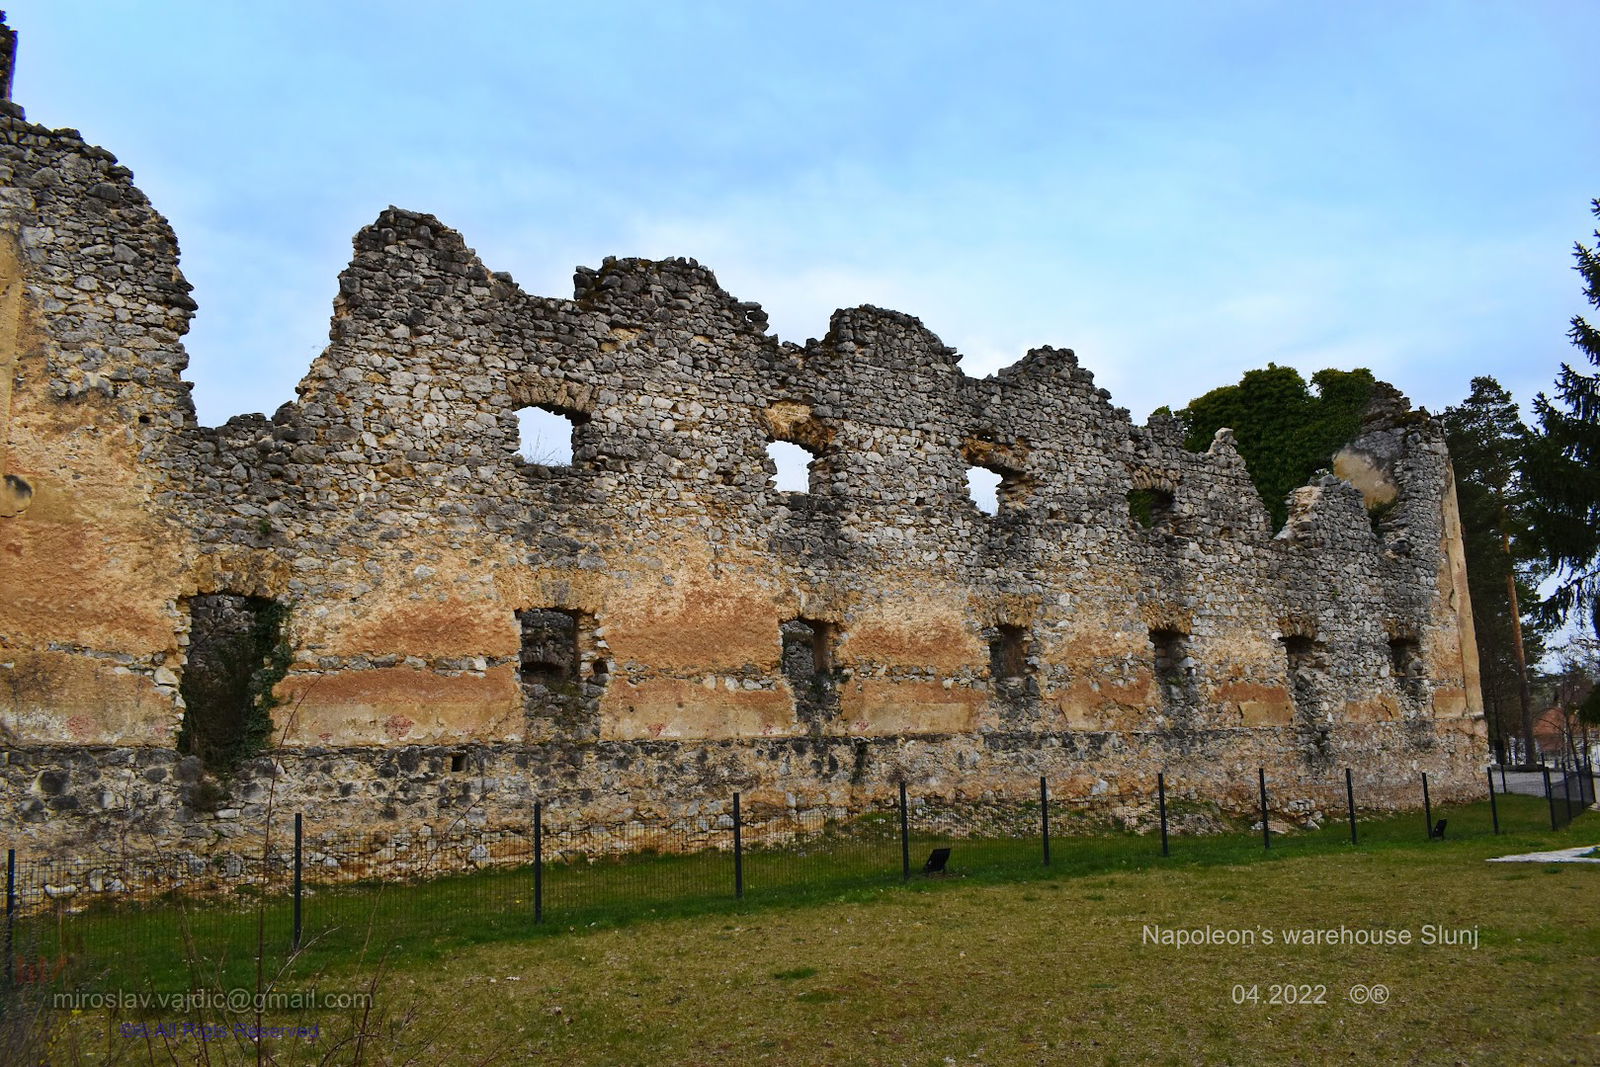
<point x="389" y="510"/>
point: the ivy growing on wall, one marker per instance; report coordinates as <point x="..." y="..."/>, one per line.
<point x="238" y="653"/>
<point x="1286" y="428"/>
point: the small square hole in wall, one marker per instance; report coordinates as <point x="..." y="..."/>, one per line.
<point x="794" y="467"/>
<point x="458" y="762"/>
<point x="1151" y="508"/>
<point x="1008" y="653"/>
<point x="544" y="436"/>
<point x="1299" y="649"/>
<point x="1172" y="662"/>
<point x="1405" y="657"/>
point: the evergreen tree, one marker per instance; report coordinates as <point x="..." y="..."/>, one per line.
<point x="1486" y="439"/>
<point x="1562" y="466"/>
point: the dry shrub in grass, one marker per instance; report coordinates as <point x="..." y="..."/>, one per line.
<point x="386" y="1028"/>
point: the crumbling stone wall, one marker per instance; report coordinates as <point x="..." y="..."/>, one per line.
<point x="417" y="553"/>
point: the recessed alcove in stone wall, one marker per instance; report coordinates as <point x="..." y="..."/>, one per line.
<point x="228" y="676"/>
<point x="809" y="651"/>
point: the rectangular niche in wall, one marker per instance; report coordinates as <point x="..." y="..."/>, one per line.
<point x="235" y="656"/>
<point x="1307" y="661"/>
<point x="554" y="683"/>
<point x="1008" y="653"/>
<point x="808" y="666"/>
<point x="1174" y="668"/>
<point x="1011" y="675"/>
<point x="1405" y="664"/>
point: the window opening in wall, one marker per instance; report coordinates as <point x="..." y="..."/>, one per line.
<point x="549" y="665"/>
<point x="236" y="655"/>
<point x="545" y="435"/>
<point x="1308" y="667"/>
<point x="1299" y="651"/>
<point x="794" y="467"/>
<point x="458" y="762"/>
<point x="1174" y="668"/>
<point x="983" y="486"/>
<point x="1151" y="508"/>
<point x="563" y="670"/>
<point x="1008" y="653"/>
<point x="808" y="666"/>
<point x="1405" y="663"/>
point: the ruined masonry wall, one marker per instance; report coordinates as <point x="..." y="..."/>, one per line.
<point x="389" y="509"/>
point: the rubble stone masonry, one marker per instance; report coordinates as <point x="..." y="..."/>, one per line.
<point x="655" y="624"/>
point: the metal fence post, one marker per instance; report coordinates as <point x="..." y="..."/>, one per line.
<point x="299" y="927"/>
<point x="905" y="837"/>
<point x="1566" y="792"/>
<point x="1044" y="816"/>
<point x="11" y="916"/>
<point x="738" y="850"/>
<point x="1427" y="807"/>
<point x="1161" y="802"/>
<point x="1350" y="802"/>
<point x="1550" y="798"/>
<point x="1266" y="833"/>
<point x="538" y="861"/>
<point x="1494" y="806"/>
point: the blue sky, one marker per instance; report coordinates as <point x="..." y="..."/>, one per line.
<point x="1180" y="192"/>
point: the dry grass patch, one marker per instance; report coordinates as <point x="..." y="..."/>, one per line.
<point x="1062" y="970"/>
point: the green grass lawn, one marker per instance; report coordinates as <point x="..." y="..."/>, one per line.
<point x="166" y="944"/>
<point x="1002" y="962"/>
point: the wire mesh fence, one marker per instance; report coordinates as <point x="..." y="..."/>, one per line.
<point x="305" y="894"/>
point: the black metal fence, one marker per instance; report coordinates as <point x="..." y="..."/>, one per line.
<point x="305" y="892"/>
<point x="1568" y="793"/>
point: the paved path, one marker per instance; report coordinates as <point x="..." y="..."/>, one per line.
<point x="1528" y="783"/>
<point x="1581" y="854"/>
